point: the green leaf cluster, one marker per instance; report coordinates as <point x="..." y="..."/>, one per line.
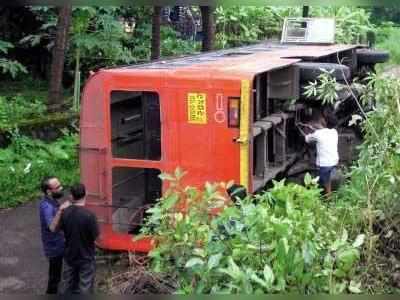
<point x="17" y="108"/>
<point x="238" y="25"/>
<point x="284" y="240"/>
<point x="369" y="201"/>
<point x="352" y="23"/>
<point x="27" y="161"/>
<point x="324" y="89"/>
<point x="8" y="66"/>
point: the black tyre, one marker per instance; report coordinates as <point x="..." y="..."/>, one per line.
<point x="371" y="57"/>
<point x="309" y="71"/>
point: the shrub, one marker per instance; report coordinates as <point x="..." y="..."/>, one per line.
<point x="387" y="38"/>
<point x="352" y="23"/>
<point x="238" y="25"/>
<point x="8" y="66"/>
<point x="17" y="108"/>
<point x="370" y="199"/>
<point x="26" y="161"/>
<point x="284" y="240"/>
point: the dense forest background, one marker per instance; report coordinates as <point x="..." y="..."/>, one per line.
<point x="84" y="39"/>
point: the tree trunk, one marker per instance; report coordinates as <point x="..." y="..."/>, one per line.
<point x="207" y="18"/>
<point x="306" y="10"/>
<point x="155" y="33"/>
<point x="55" y="99"/>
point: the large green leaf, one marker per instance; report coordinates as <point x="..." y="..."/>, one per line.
<point x="268" y="275"/>
<point x="214" y="260"/>
<point x="359" y="240"/>
<point x="170" y="201"/>
<point x="347" y="258"/>
<point x="195" y="261"/>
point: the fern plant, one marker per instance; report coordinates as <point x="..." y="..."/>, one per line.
<point x="8" y="66"/>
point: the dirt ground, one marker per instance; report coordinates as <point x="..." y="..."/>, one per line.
<point x="392" y="71"/>
<point x="23" y="267"/>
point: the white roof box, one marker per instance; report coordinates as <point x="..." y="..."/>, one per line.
<point x="308" y="31"/>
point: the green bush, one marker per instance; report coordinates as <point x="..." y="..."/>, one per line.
<point x="387" y="39"/>
<point x="377" y="172"/>
<point x="284" y="240"/>
<point x="8" y="66"/>
<point x="26" y="161"/>
<point x="18" y="108"/>
<point x="171" y="43"/>
<point x="352" y="23"/>
<point x="370" y="201"/>
<point x="238" y="25"/>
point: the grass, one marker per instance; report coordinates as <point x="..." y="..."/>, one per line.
<point x="23" y="104"/>
<point x="388" y="39"/>
<point x="29" y="88"/>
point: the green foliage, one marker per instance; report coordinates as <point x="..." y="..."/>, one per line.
<point x="28" y="88"/>
<point x="381" y="14"/>
<point x="239" y="25"/>
<point x="387" y="38"/>
<point x="352" y="23"/>
<point x="26" y="161"/>
<point x="384" y="30"/>
<point x="284" y="240"/>
<point x="43" y="36"/>
<point x="98" y="38"/>
<point x="378" y="168"/>
<point x="325" y="88"/>
<point x="172" y="44"/>
<point x="8" y="66"/>
<point x="18" y="108"/>
<point x="23" y="103"/>
<point x="95" y="33"/>
<point x="373" y="187"/>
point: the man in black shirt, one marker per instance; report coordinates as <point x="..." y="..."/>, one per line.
<point x="80" y="230"/>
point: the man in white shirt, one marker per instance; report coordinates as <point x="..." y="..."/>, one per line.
<point x="326" y="140"/>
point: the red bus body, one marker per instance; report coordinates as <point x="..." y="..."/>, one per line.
<point x="192" y="95"/>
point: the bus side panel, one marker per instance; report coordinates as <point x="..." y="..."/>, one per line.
<point x="226" y="152"/>
<point x="93" y="148"/>
<point x="207" y="150"/>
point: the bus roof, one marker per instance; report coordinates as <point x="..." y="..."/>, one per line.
<point x="243" y="61"/>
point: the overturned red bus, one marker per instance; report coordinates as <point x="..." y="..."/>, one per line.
<point x="220" y="116"/>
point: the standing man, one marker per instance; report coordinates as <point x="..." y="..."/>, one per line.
<point x="81" y="230"/>
<point x="53" y="242"/>
<point x="326" y="140"/>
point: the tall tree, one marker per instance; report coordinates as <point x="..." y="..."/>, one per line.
<point x="155" y="33"/>
<point x="207" y="17"/>
<point x="306" y="10"/>
<point x="55" y="100"/>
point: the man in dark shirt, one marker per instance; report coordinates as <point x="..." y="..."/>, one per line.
<point x="80" y="230"/>
<point x="53" y="242"/>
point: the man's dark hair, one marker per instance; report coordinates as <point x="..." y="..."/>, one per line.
<point x="78" y="191"/>
<point x="316" y="115"/>
<point x="331" y="121"/>
<point x="237" y="191"/>
<point x="45" y="185"/>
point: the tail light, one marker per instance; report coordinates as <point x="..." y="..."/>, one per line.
<point x="234" y="112"/>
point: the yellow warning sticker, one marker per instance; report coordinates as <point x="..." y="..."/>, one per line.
<point x="197" y="108"/>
